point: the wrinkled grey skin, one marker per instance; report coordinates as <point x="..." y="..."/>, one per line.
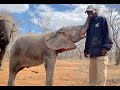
<point x="35" y="49"/>
<point x="7" y="25"/>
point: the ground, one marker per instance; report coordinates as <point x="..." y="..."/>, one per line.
<point x="67" y="73"/>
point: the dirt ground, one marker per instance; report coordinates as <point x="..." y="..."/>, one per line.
<point x="67" y="73"/>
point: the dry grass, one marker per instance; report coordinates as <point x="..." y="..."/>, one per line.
<point x="67" y="73"/>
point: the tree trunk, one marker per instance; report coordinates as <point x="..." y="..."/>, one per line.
<point x="117" y="56"/>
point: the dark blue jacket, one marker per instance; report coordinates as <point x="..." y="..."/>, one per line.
<point x="97" y="36"/>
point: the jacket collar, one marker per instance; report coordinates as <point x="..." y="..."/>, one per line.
<point x="93" y="18"/>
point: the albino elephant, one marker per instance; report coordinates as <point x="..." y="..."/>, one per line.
<point x="34" y="49"/>
<point x="7" y="27"/>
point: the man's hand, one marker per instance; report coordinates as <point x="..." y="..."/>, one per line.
<point x="86" y="55"/>
<point x="104" y="51"/>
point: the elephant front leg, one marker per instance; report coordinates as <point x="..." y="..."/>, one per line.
<point x="49" y="67"/>
<point x="1" y="68"/>
<point x="1" y="59"/>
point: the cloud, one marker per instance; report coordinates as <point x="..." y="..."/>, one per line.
<point x="74" y="16"/>
<point x="14" y="8"/>
<point x="44" y="8"/>
<point x="62" y="18"/>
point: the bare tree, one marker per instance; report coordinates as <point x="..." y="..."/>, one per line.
<point x="114" y="21"/>
<point x="45" y="23"/>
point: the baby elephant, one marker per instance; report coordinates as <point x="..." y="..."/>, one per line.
<point x="34" y="49"/>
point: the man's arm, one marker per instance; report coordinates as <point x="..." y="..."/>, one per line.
<point x="107" y="35"/>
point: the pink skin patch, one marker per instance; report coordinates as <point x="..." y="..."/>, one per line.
<point x="62" y="50"/>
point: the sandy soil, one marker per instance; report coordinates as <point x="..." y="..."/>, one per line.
<point x="67" y="73"/>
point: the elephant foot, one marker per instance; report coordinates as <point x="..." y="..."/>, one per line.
<point x="11" y="84"/>
<point x="1" y="68"/>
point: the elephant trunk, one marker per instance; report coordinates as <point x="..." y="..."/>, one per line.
<point x="84" y="28"/>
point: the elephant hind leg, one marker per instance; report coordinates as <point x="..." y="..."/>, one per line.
<point x="13" y="70"/>
<point x="12" y="75"/>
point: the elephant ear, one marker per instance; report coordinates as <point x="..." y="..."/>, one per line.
<point x="6" y="27"/>
<point x="60" y="41"/>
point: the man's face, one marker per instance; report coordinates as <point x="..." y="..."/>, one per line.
<point x="90" y="14"/>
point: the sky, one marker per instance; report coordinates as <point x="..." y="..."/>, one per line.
<point x="31" y="17"/>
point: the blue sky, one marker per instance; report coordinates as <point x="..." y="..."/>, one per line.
<point x="33" y="17"/>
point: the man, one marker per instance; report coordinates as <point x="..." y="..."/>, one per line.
<point x="98" y="42"/>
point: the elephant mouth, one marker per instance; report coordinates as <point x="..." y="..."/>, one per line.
<point x="63" y="49"/>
